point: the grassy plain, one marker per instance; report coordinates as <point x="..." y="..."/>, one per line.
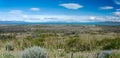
<point x="59" y="41"/>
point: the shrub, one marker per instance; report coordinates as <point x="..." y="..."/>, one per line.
<point x="76" y="44"/>
<point x="72" y="44"/>
<point x="9" y="47"/>
<point x="34" y="52"/>
<point x="115" y="55"/>
<point x="111" y="44"/>
<point x="0" y="55"/>
<point x="38" y="42"/>
<point x="89" y="45"/>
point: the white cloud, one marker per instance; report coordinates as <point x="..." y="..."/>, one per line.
<point x="11" y="17"/>
<point x="35" y="9"/>
<point x="15" y="12"/>
<point x="106" y="7"/>
<point x="116" y="13"/>
<point x="105" y="18"/>
<point x="42" y="18"/>
<point x="92" y="18"/>
<point x="57" y="18"/>
<point x="117" y="1"/>
<point x="71" y="6"/>
<point x="5" y="16"/>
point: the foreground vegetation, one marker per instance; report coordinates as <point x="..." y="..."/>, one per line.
<point x="59" y="41"/>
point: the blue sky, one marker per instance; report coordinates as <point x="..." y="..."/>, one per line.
<point x="60" y="10"/>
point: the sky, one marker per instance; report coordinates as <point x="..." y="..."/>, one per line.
<point x="60" y="10"/>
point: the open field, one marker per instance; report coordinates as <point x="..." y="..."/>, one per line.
<point x="60" y="41"/>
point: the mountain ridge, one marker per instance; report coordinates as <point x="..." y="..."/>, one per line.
<point x="86" y="23"/>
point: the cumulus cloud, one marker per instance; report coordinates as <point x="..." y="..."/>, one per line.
<point x="117" y="1"/>
<point x="35" y="9"/>
<point x="106" y="7"/>
<point x="74" y="6"/>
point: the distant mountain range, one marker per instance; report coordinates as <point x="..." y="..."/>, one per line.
<point x="84" y="23"/>
<point x="13" y="22"/>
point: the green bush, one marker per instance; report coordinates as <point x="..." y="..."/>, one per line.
<point x="115" y="55"/>
<point x="34" y="52"/>
<point x="72" y="44"/>
<point x="0" y="55"/>
<point x="76" y="44"/>
<point x="8" y="55"/>
<point x="38" y="42"/>
<point x="110" y="44"/>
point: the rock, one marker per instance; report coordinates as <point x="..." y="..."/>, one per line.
<point x="103" y="54"/>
